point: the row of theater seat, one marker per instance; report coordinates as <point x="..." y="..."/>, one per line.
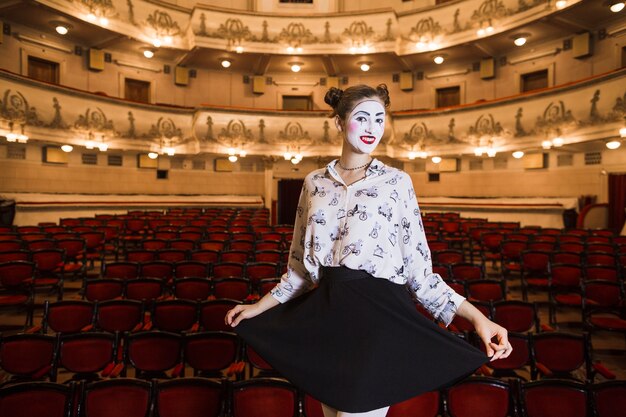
<point x="273" y="397"/>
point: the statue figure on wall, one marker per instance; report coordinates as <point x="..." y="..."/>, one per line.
<point x="209" y="134"/>
<point x="57" y="121"/>
<point x="262" y="131"/>
<point x="594" y="116"/>
<point x="131" y="125"/>
<point x="519" y="129"/>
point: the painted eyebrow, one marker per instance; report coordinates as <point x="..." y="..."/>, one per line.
<point x="363" y="111"/>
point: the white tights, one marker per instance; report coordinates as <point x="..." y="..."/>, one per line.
<point x="331" y="412"/>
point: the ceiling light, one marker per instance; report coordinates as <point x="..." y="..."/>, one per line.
<point x="67" y="148"/>
<point x="103" y="147"/>
<point x="11" y="137"/>
<point x="518" y="154"/>
<point x="622" y="132"/>
<point x="168" y="40"/>
<point x="90" y="144"/>
<point x="412" y="155"/>
<point x="231" y="151"/>
<point x="148" y="53"/>
<point x="156" y="42"/>
<point x="519" y="41"/>
<point x="478" y="151"/>
<point x="296" y="66"/>
<point x="365" y="66"/>
<point x="557" y="142"/>
<point x="153" y="155"/>
<point x="436" y="159"/>
<point x="243" y="153"/>
<point x="91" y="17"/>
<point x="617" y="6"/>
<point x="546" y="144"/>
<point x="491" y="152"/>
<point x="438" y="59"/>
<point x="226" y="63"/>
<point x="295" y="160"/>
<point x="62" y="29"/>
<point x="560" y="4"/>
<point x="287" y="156"/>
<point x="290" y="49"/>
<point x="232" y="158"/>
<point x="614" y="144"/>
<point x="239" y="49"/>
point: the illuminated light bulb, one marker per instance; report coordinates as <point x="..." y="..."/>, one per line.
<point x="622" y="132"/>
<point x="491" y="152"/>
<point x="11" y="137"/>
<point x="22" y="138"/>
<point x="364" y="49"/>
<point x="103" y="147"/>
<point x="168" y="40"/>
<point x="226" y="63"/>
<point x="91" y="17"/>
<point x="557" y="142"/>
<point x="412" y="155"/>
<point x="561" y="4"/>
<point x="90" y="144"/>
<point x="153" y="155"/>
<point x="546" y="144"/>
<point x="287" y="156"/>
<point x="614" y="144"/>
<point x="436" y="159"/>
<point x="298" y="156"/>
<point x="478" y="151"/>
<point x="148" y="53"/>
<point x="433" y="46"/>
<point x="617" y="7"/>
<point x="420" y="45"/>
<point x="489" y="29"/>
<point x="422" y="154"/>
<point x="239" y="49"/>
<point x="480" y="32"/>
<point x="232" y="158"/>
<point x="62" y="30"/>
<point x="296" y="68"/>
<point x="438" y="60"/>
<point x="295" y="161"/>
<point x="520" y="41"/>
<point x="104" y="21"/>
<point x="243" y="153"/>
<point x="365" y="67"/>
<point x="352" y="50"/>
<point x="67" y="148"/>
<point x="299" y="49"/>
<point x="231" y="151"/>
<point x="169" y="151"/>
<point x="290" y="49"/>
<point x="156" y="42"/>
<point x="518" y="154"/>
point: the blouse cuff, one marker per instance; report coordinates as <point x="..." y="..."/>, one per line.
<point x="449" y="311"/>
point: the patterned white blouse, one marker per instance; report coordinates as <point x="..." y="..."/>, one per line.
<point x="373" y="225"/>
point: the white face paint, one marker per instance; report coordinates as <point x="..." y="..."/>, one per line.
<point x="365" y="126"/>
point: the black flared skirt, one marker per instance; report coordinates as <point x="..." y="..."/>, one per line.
<point x="357" y="343"/>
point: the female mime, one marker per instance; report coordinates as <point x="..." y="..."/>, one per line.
<point x="342" y="323"/>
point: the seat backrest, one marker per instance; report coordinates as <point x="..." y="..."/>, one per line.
<point x="190" y="397"/>
<point x="119" y="315"/>
<point x="609" y="398"/>
<point x="128" y="397"/>
<point x="30" y="399"/>
<point x="27" y="355"/>
<point x="548" y="398"/>
<point x="67" y="316"/>
<point x="424" y="405"/>
<point x="484" y="397"/>
<point x="212" y="314"/>
<point x="209" y="352"/>
<point x="264" y="397"/>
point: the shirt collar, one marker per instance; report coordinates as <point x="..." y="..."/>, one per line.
<point x="375" y="168"/>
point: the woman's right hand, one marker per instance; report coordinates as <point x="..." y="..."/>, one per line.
<point x="241" y="312"/>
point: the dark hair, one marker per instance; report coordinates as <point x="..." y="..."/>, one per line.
<point x="343" y="102"/>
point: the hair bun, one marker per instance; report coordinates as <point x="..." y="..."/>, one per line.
<point x="383" y="93"/>
<point x="333" y="97"/>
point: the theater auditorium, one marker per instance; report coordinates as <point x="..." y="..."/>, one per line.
<point x="152" y="154"/>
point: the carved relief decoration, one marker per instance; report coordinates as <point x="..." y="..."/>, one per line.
<point x="163" y="24"/>
<point x="490" y="10"/>
<point x="95" y="120"/>
<point x="235" y="131"/>
<point x="425" y="30"/>
<point x="293" y="133"/>
<point x="165" y="128"/>
<point x="359" y="34"/>
<point x="296" y="34"/>
<point x="15" y="108"/>
<point x="485" y="126"/>
<point x="555" y="118"/>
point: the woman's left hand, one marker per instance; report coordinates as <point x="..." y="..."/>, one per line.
<point x="487" y="330"/>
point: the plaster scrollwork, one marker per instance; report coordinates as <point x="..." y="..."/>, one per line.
<point x="418" y="136"/>
<point x="296" y="34"/>
<point x="95" y="120"/>
<point x="15" y="108"/>
<point x="234" y="132"/>
<point x="359" y="34"/>
<point x="293" y="133"/>
<point x="486" y="130"/>
<point x="523" y="5"/>
<point x="619" y="109"/>
<point x="425" y="30"/>
<point x="163" y="24"/>
<point x="100" y="8"/>
<point x="490" y="10"/>
<point x="556" y="118"/>
<point x="164" y="128"/>
<point x="234" y="31"/>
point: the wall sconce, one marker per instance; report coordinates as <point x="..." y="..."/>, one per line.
<point x="436" y="159"/>
<point x="518" y="154"/>
<point x="16" y="137"/>
<point x="67" y="148"/>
